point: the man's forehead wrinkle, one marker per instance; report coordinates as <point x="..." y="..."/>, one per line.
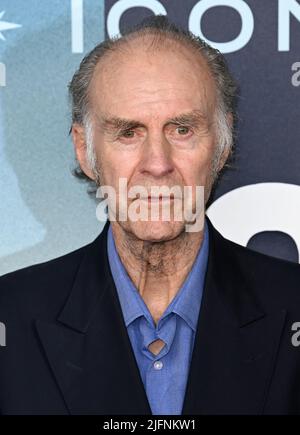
<point x="115" y="60"/>
<point x="107" y="122"/>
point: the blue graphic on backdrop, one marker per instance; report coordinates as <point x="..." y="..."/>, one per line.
<point x="44" y="211"/>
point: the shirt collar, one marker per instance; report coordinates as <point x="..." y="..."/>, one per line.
<point x="187" y="300"/>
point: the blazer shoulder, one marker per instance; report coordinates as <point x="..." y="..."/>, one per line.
<point x="49" y="277"/>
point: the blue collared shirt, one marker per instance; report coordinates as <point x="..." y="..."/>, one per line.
<point x="164" y="375"/>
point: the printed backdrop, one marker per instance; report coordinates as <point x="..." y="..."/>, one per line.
<point x="45" y="212"/>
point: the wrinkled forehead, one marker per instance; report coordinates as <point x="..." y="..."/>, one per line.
<point x="141" y="72"/>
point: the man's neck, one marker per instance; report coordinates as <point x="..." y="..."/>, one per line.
<point x="157" y="269"/>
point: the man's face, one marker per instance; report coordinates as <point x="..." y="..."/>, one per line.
<point x="153" y="91"/>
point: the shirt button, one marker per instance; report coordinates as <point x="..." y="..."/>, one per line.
<point x="158" y="365"/>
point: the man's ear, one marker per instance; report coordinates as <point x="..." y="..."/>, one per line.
<point x="79" y="141"/>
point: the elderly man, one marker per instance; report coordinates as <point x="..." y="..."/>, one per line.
<point x="154" y="316"/>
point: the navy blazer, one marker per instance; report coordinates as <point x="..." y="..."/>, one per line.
<point x="68" y="352"/>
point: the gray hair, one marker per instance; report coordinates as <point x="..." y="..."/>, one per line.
<point x="161" y="29"/>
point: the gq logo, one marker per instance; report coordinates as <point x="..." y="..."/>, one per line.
<point x="296" y="336"/>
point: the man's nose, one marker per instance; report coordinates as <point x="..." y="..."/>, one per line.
<point x="157" y="157"/>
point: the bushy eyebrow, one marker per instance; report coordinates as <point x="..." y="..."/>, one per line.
<point x="114" y="124"/>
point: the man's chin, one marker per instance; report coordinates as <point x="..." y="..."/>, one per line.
<point x="156" y="231"/>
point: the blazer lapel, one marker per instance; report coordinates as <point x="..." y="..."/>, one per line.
<point x="236" y="341"/>
<point x="88" y="348"/>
